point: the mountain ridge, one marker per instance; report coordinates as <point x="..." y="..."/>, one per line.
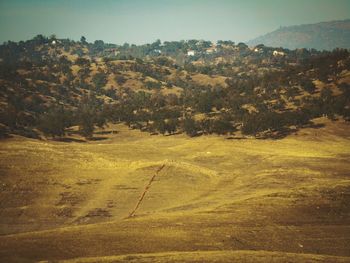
<point x="321" y="36"/>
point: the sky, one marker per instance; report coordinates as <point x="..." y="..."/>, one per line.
<point x="144" y="21"/>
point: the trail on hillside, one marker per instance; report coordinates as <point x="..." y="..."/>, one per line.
<point x="132" y="213"/>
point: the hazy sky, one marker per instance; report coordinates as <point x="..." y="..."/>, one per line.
<point x="142" y="21"/>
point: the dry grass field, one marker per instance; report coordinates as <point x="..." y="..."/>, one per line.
<point x="202" y="199"/>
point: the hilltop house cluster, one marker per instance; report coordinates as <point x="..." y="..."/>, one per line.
<point x="195" y="48"/>
<point x="208" y="50"/>
<point x="276" y="53"/>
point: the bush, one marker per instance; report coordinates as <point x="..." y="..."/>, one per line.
<point x="153" y="85"/>
<point x="309" y="86"/>
<point x="120" y="79"/>
<point x="82" y="62"/>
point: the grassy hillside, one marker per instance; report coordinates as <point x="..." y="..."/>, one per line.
<point x="214" y="200"/>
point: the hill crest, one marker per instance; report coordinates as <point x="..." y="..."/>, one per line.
<point x="321" y="36"/>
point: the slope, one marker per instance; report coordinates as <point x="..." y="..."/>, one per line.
<point x="71" y="200"/>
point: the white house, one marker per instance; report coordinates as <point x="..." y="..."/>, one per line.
<point x="258" y="50"/>
<point x="278" y="53"/>
<point x="111" y="51"/>
<point x="54" y="42"/>
<point x="199" y="43"/>
<point x="211" y="50"/>
<point x="191" y="53"/>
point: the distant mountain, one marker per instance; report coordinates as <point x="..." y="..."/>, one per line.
<point x="321" y="36"/>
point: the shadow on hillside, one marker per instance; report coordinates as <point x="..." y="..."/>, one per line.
<point x="174" y="133"/>
<point x="314" y="125"/>
<point x="98" y="138"/>
<point x="68" y="140"/>
<point x="5" y="136"/>
<point x="107" y="132"/>
<point x="236" y="138"/>
<point x="276" y="135"/>
<point x="284" y="132"/>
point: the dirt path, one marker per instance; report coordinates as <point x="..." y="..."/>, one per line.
<point x="132" y="213"/>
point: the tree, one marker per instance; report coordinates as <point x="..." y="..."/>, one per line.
<point x="82" y="62"/>
<point x="206" y="125"/>
<point x="251" y="124"/>
<point x="164" y="61"/>
<point x="222" y="126"/>
<point x="88" y="114"/>
<point x="156" y="44"/>
<point x="40" y="40"/>
<point x="242" y="46"/>
<point x="53" y="37"/>
<point x="205" y="101"/>
<point x="98" y="45"/>
<point x="54" y="122"/>
<point x="153" y="85"/>
<point x="99" y="80"/>
<point x="160" y="126"/>
<point x="189" y="126"/>
<point x="86" y="124"/>
<point x="309" y="86"/>
<point x="9" y="115"/>
<point x="83" y="40"/>
<point x="120" y="79"/>
<point x="171" y="125"/>
<point x="327" y="102"/>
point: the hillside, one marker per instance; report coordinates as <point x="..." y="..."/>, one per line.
<point x="320" y="36"/>
<point x="210" y="200"/>
<point x="183" y="151"/>
<point x="49" y="85"/>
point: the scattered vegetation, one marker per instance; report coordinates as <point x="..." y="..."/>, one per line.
<point x="50" y="84"/>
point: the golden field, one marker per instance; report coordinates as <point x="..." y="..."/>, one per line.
<point x="216" y="198"/>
